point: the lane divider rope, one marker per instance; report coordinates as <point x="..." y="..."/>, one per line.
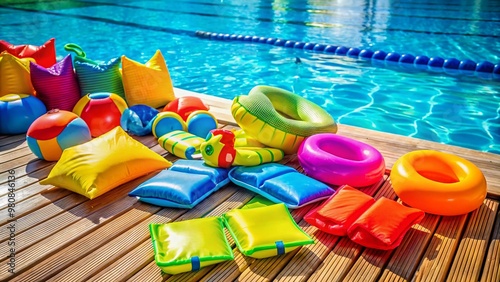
<point x="453" y="66"/>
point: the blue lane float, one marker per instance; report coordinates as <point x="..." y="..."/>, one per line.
<point x="485" y="69"/>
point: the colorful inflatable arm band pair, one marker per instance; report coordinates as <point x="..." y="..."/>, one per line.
<point x="281" y="184"/>
<point x="184" y="185"/>
<point x="219" y="150"/>
<point x="438" y="183"/>
<point x="198" y="123"/>
<point x="207" y="244"/>
<point x="280" y="119"/>
<point x="380" y="224"/>
<point x="259" y="232"/>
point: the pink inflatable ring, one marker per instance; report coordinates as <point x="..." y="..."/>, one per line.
<point x="340" y="160"/>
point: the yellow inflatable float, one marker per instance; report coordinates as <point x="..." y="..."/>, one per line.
<point x="279" y="118"/>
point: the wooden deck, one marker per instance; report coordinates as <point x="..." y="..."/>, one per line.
<point x="62" y="236"/>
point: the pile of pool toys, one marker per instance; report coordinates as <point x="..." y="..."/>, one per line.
<point x="82" y="114"/>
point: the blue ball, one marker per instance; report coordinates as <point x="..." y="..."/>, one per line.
<point x="289" y="43"/>
<point x="436" y="62"/>
<point x="341" y="50"/>
<point x="299" y="45"/>
<point x="392" y="57"/>
<point x="279" y="42"/>
<point x="271" y="41"/>
<point x="406" y="59"/>
<point x="451" y="63"/>
<point x="366" y="54"/>
<point x="138" y="119"/>
<point x="319" y="47"/>
<point x="379" y="55"/>
<point x="309" y="46"/>
<point x="353" y="52"/>
<point x="330" y="49"/>
<point x="485" y="67"/>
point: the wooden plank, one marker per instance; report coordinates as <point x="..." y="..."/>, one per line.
<point x="470" y="255"/>
<point x="438" y="257"/>
<point x="45" y="213"/>
<point x="491" y="271"/>
<point x="62" y="258"/>
<point x="128" y="265"/>
<point x="407" y="256"/>
<point x="47" y="237"/>
<point x="87" y="266"/>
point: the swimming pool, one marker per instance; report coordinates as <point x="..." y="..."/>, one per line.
<point x="456" y="109"/>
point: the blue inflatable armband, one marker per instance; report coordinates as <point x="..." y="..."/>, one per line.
<point x="184" y="185"/>
<point x="281" y="184"/>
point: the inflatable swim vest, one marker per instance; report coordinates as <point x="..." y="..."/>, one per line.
<point x="279" y="118"/>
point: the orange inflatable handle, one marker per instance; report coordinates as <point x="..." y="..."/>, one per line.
<point x="438" y="183"/>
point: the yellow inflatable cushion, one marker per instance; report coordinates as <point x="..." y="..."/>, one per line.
<point x="189" y="245"/>
<point x="15" y="75"/>
<point x="147" y="84"/>
<point x="96" y="167"/>
<point x="267" y="231"/>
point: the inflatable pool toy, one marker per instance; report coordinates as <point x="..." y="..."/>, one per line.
<point x="438" y="183"/>
<point x="18" y="112"/>
<point x="207" y="244"/>
<point x="181" y="144"/>
<point x="384" y="224"/>
<point x="198" y="123"/>
<point x="263" y="232"/>
<point x="54" y="132"/>
<point x="184" y="185"/>
<point x="184" y="106"/>
<point x="281" y="184"/>
<point x="104" y="163"/>
<point x="148" y="84"/>
<point x="187" y="145"/>
<point x="15" y="75"/>
<point x="335" y="215"/>
<point x="57" y="86"/>
<point x="101" y="111"/>
<point x="380" y="224"/>
<point x="219" y="150"/>
<point x="280" y="119"/>
<point x="340" y="160"/>
<point x="94" y="77"/>
<point x="44" y="55"/>
<point x="138" y="119"/>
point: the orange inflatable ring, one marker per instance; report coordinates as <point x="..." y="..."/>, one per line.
<point x="438" y="183"/>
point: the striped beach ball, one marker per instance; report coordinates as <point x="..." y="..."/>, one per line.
<point x="55" y="131"/>
<point x="101" y="111"/>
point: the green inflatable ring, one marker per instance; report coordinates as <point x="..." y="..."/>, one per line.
<point x="279" y="118"/>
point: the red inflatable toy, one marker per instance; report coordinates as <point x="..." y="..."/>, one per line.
<point x="184" y="106"/>
<point x="44" y="55"/>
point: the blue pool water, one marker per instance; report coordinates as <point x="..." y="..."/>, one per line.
<point x="456" y="109"/>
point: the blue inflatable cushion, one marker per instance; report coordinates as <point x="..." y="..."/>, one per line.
<point x="184" y="185"/>
<point x="281" y="184"/>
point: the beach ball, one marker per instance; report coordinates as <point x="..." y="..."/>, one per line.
<point x="18" y="111"/>
<point x="101" y="111"/>
<point x="55" y="131"/>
